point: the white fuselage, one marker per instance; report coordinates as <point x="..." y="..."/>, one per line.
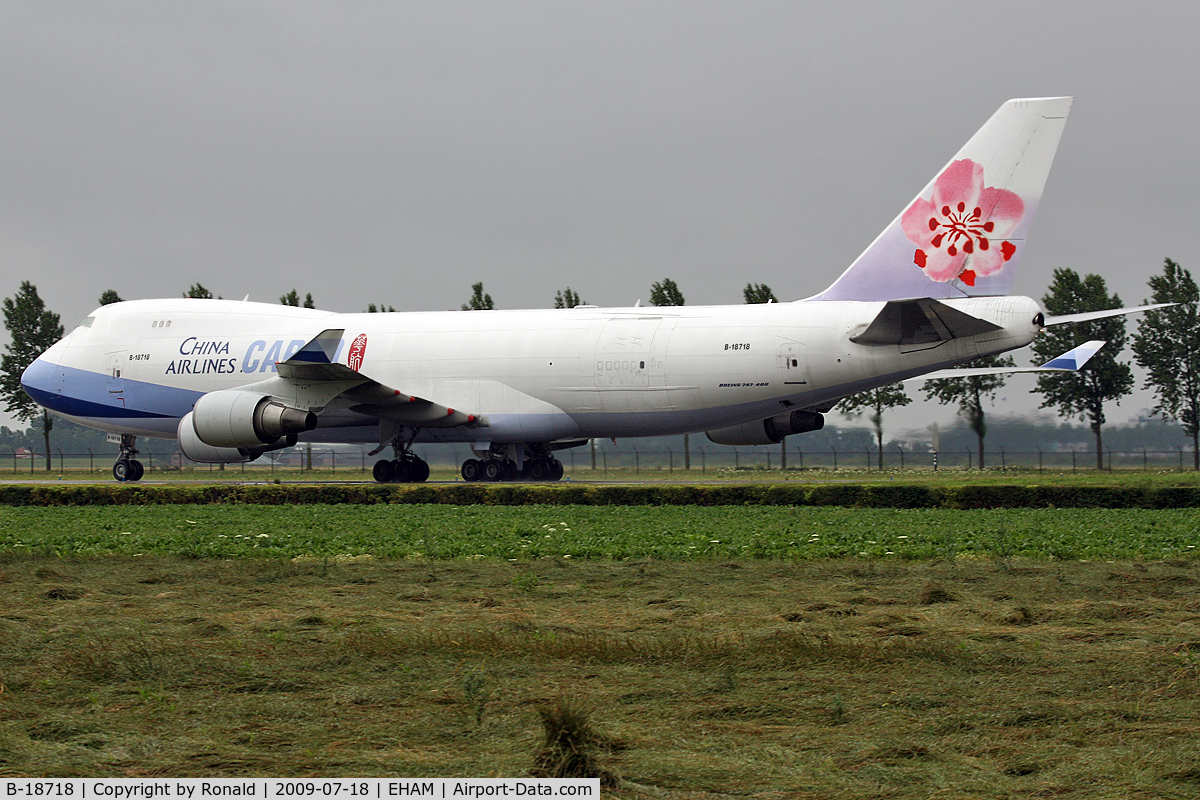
<point x="536" y="376"/>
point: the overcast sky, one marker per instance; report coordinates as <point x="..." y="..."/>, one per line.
<point x="395" y="153"/>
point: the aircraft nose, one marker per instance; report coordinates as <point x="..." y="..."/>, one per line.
<point x="38" y="380"/>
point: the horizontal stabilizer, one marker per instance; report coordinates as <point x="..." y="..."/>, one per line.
<point x="1088" y="316"/>
<point x="921" y="320"/>
<point x="1071" y="361"/>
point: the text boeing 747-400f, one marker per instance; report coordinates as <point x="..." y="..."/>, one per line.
<point x="231" y="381"/>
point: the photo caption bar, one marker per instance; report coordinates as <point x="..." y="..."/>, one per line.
<point x="278" y="788"/>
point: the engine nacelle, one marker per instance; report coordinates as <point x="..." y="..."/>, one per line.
<point x="770" y="430"/>
<point x="191" y="446"/>
<point x="234" y="418"/>
<point x="195" y="449"/>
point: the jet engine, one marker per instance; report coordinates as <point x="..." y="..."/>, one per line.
<point x="234" y="418"/>
<point x="770" y="430"/>
<point x="197" y="450"/>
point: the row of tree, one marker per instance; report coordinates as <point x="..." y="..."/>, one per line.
<point x="662" y="293"/>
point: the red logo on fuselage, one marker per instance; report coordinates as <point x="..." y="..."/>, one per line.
<point x="358" y="349"/>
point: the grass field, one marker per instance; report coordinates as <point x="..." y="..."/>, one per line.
<point x="773" y="652"/>
<point x="675" y="533"/>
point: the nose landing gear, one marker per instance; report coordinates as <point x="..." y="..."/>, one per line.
<point x="128" y="468"/>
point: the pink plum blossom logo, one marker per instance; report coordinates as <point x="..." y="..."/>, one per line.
<point x="954" y="231"/>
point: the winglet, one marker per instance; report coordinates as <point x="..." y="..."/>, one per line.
<point x="323" y="349"/>
<point x="1073" y="360"/>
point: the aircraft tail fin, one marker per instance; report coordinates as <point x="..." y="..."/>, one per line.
<point x="965" y="233"/>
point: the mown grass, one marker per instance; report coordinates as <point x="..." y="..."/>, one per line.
<point x="745" y="650"/>
<point x="677" y="533"/>
<point x="990" y="677"/>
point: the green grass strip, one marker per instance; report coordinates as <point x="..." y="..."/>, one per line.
<point x="670" y="533"/>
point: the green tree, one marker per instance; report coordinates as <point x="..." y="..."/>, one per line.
<point x="1167" y="346"/>
<point x="970" y="392"/>
<point x="198" y="291"/>
<point x="665" y="293"/>
<point x="876" y="401"/>
<point x="371" y="309"/>
<point x="109" y="297"/>
<point x="568" y="298"/>
<point x="479" y="301"/>
<point x="1103" y="378"/>
<point x="292" y="298"/>
<point x="33" y="329"/>
<point x="759" y="293"/>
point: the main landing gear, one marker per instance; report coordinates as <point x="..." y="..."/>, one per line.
<point x="406" y="468"/>
<point x="127" y="467"/>
<point x="405" y="465"/>
<point x="498" y="465"/>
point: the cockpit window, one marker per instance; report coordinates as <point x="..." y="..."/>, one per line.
<point x="87" y="322"/>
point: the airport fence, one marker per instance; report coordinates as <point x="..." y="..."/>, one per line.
<point x="355" y="463"/>
<point x="705" y="460"/>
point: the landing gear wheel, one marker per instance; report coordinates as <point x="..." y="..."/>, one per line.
<point x="508" y="471"/>
<point x="382" y="472"/>
<point x="127" y="467"/>
<point x="401" y="470"/>
<point x="556" y="469"/>
<point x="538" y="470"/>
<point x="471" y="470"/>
<point x="491" y="470"/>
<point x="420" y="471"/>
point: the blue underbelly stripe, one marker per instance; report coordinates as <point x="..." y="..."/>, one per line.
<point x="85" y="408"/>
<point x="89" y="394"/>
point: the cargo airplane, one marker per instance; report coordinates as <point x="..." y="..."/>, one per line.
<point x="233" y="380"/>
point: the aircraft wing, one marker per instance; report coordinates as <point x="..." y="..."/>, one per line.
<point x="1070" y="361"/>
<point x="312" y="379"/>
